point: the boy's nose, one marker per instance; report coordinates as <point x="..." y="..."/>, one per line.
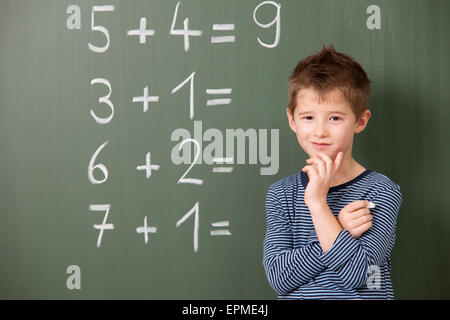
<point x="319" y="130"/>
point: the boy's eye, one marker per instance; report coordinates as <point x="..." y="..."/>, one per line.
<point x="336" y="117"/>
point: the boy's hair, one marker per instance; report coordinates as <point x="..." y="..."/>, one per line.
<point x="329" y="69"/>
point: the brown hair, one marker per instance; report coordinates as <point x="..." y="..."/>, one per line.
<point x="329" y="69"/>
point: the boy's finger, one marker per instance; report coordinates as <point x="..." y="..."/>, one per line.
<point x="310" y="170"/>
<point x="358" y="213"/>
<point x="338" y="160"/>
<point x="319" y="165"/>
<point x="363" y="228"/>
<point x="355" y="205"/>
<point x="327" y="161"/>
<point x="363" y="220"/>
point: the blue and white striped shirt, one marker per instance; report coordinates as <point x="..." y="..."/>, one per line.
<point x="295" y="265"/>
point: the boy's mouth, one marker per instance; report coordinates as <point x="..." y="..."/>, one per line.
<point x="320" y="146"/>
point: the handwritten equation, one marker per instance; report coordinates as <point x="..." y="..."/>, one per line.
<point x="216" y="97"/>
<point x="142" y="32"/>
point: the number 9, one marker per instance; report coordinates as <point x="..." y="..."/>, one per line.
<point x="275" y="20"/>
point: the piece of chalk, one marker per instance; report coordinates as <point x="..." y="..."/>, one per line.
<point x="371" y="205"/>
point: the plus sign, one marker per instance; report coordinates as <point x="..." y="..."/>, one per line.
<point x="145" y="230"/>
<point x="141" y="32"/>
<point x="146" y="99"/>
<point x="148" y="167"/>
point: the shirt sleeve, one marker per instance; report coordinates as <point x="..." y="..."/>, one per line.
<point x="351" y="258"/>
<point x="287" y="268"/>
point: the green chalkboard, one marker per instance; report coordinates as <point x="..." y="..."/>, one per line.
<point x="138" y="140"/>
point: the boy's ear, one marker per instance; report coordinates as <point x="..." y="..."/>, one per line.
<point x="361" y="124"/>
<point x="290" y="119"/>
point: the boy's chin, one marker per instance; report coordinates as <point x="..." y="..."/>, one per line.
<point x="315" y="153"/>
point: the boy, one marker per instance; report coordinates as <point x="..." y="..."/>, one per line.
<point x="322" y="240"/>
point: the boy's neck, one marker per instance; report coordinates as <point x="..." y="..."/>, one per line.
<point x="348" y="170"/>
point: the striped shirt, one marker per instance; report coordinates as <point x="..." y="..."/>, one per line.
<point x="295" y="265"/>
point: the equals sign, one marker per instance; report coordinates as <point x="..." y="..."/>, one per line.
<point x="220" y="232"/>
<point x="223" y="169"/>
<point x="214" y="102"/>
<point x="223" y="27"/>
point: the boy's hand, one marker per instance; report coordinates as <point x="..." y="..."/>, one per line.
<point x="355" y="217"/>
<point x="320" y="174"/>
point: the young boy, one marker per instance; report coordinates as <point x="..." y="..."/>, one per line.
<point x="322" y="240"/>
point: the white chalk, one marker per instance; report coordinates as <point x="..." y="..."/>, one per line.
<point x="371" y="205"/>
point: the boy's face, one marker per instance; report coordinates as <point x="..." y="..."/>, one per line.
<point x="331" y="122"/>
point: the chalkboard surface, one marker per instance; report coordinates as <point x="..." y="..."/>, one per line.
<point x="138" y="140"/>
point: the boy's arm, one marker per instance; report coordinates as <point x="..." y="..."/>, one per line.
<point x="326" y="226"/>
<point x="287" y="268"/>
<point x="350" y="258"/>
